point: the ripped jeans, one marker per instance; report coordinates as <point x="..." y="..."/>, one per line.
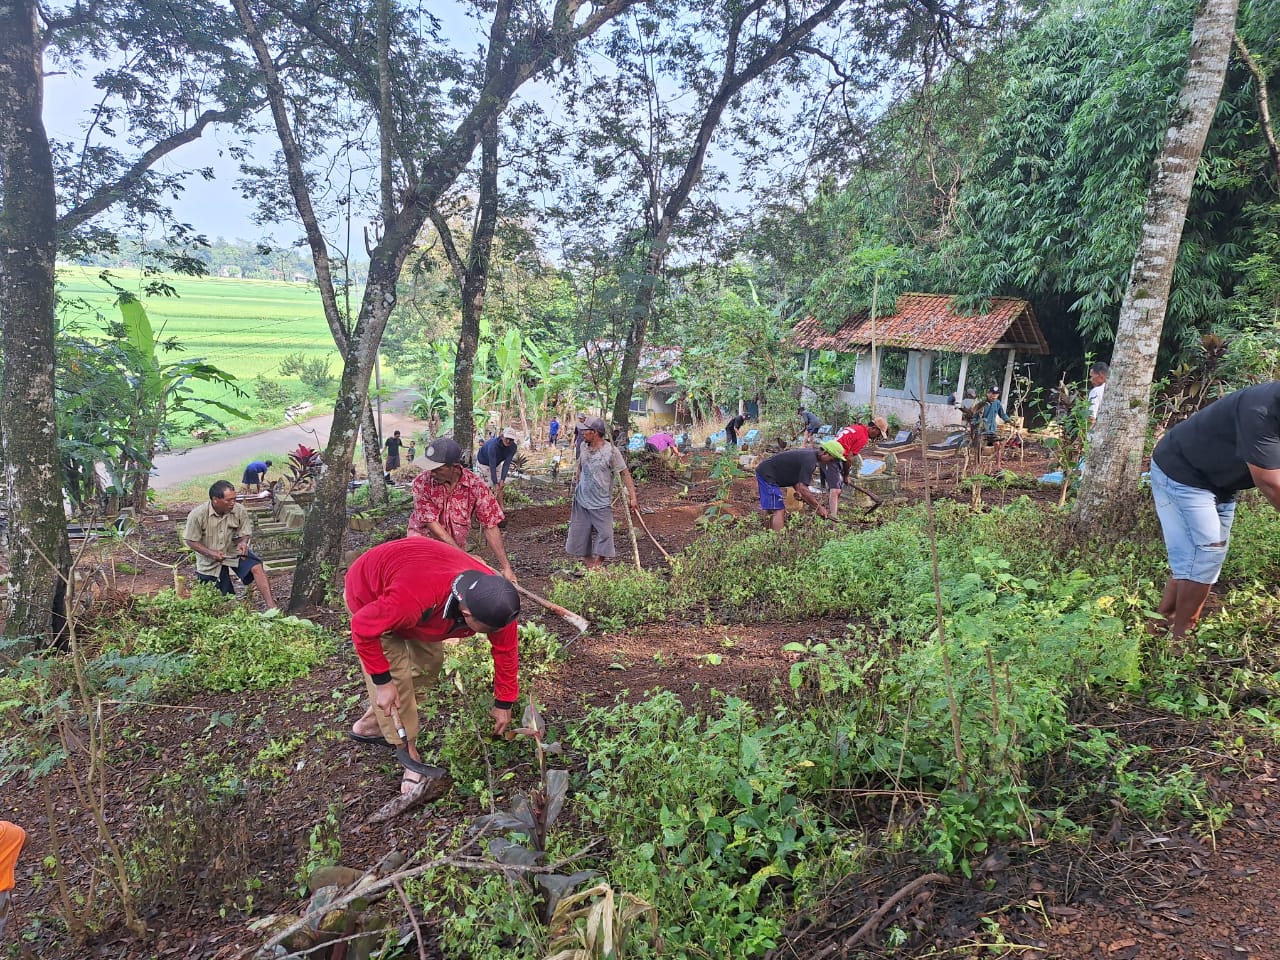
<point x="1197" y="528"/>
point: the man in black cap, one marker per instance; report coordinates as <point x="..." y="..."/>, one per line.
<point x="445" y="497"/>
<point x="406" y="597"/>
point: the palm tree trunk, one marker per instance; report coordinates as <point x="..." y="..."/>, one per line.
<point x="1116" y="460"/>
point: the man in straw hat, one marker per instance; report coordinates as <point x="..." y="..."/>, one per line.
<point x="793" y="468"/>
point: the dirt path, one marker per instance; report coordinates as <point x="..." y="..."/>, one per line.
<point x="228" y="456"/>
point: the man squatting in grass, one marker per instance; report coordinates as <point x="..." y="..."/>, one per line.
<point x="591" y="517"/>
<point x="496" y="453"/>
<point x="852" y="440"/>
<point x="792" y="468"/>
<point x="406" y="597"/>
<point x="255" y="474"/>
<point x="218" y="532"/>
<point x="1197" y="469"/>
<point x="446" y="494"/>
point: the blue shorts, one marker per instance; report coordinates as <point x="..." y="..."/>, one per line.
<point x="770" y="494"/>
<point x="244" y="570"/>
<point x="252" y="476"/>
<point x="1197" y="529"/>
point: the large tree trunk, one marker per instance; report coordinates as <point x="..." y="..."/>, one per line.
<point x="1116" y="460"/>
<point x="39" y="557"/>
<point x="322" y="536"/>
<point x="640" y="311"/>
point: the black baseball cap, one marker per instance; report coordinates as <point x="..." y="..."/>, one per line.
<point x="491" y="598"/>
<point x="442" y="452"/>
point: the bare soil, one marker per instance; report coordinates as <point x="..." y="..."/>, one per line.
<point x="1129" y="893"/>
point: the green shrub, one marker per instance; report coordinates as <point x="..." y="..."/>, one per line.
<point x="615" y="597"/>
<point x="743" y="572"/>
<point x="707" y="817"/>
<point x="228" y="647"/>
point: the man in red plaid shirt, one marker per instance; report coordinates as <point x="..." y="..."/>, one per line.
<point x="446" y="494"/>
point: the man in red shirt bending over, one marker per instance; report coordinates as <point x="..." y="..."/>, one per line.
<point x="405" y="598"/>
<point x="853" y="438"/>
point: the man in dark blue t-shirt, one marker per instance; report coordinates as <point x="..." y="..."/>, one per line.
<point x="792" y="468"/>
<point x="497" y="453"/>
<point x="1196" y="471"/>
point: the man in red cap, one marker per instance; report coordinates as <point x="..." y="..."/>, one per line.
<point x="406" y="597"/>
<point x="853" y="439"/>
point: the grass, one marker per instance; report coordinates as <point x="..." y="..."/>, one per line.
<point x="246" y="327"/>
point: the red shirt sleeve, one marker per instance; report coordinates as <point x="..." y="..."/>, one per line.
<point x="505" y="644"/>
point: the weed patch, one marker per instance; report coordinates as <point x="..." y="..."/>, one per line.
<point x="224" y="646"/>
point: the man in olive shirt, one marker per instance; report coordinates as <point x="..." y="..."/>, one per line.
<point x="1196" y="471"/>
<point x="792" y="468"/>
<point x="218" y="531"/>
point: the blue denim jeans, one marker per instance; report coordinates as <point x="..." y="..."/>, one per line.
<point x="1197" y="529"/>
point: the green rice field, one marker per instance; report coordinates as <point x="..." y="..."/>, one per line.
<point x="246" y="327"/>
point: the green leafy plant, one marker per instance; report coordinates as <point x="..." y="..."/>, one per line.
<point x="615" y="597"/>
<point x="223" y="646"/>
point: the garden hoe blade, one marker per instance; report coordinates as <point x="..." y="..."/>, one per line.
<point x="403" y="755"/>
<point x="579" y="621"/>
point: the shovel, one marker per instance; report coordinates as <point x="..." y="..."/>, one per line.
<point x="402" y="753"/>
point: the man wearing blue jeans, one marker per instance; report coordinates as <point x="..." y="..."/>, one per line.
<point x="1196" y="471"/>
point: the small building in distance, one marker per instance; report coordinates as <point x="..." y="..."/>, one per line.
<point x="926" y="341"/>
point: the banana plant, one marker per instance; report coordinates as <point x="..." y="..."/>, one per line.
<point x="120" y="394"/>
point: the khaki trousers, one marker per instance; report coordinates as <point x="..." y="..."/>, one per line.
<point x="415" y="667"/>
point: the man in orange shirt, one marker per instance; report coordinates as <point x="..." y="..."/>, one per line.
<point x="12" y="837"/>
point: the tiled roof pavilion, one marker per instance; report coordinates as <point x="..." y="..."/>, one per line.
<point x="927" y="321"/>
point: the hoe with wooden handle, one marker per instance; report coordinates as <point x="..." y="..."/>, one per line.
<point x="576" y="619"/>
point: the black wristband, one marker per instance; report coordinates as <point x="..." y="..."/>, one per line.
<point x="380" y="678"/>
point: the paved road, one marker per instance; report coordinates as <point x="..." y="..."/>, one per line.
<point x="226" y="458"/>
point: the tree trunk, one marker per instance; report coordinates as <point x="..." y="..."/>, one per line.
<point x="1116" y="460"/>
<point x="322" y="536"/>
<point x="373" y="456"/>
<point x="38" y="553"/>
<point x="474" y="281"/>
<point x="641" y="309"/>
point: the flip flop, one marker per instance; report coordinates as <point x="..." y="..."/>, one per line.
<point x="411" y="781"/>
<point x="377" y="739"/>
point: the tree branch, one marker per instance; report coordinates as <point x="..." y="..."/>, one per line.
<point x="297" y="176"/>
<point x="1264" y="109"/>
<point x="114" y="192"/>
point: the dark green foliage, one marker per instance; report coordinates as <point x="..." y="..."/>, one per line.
<point x="224" y="646"/>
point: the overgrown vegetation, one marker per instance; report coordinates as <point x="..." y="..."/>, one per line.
<point x="705" y="831"/>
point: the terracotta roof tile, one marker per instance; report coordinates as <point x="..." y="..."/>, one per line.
<point x="926" y="321"/>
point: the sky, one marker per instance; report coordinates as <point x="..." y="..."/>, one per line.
<point x="215" y="207"/>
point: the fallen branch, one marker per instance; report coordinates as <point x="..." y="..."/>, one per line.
<point x="868" y="928"/>
<point x="390" y="881"/>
